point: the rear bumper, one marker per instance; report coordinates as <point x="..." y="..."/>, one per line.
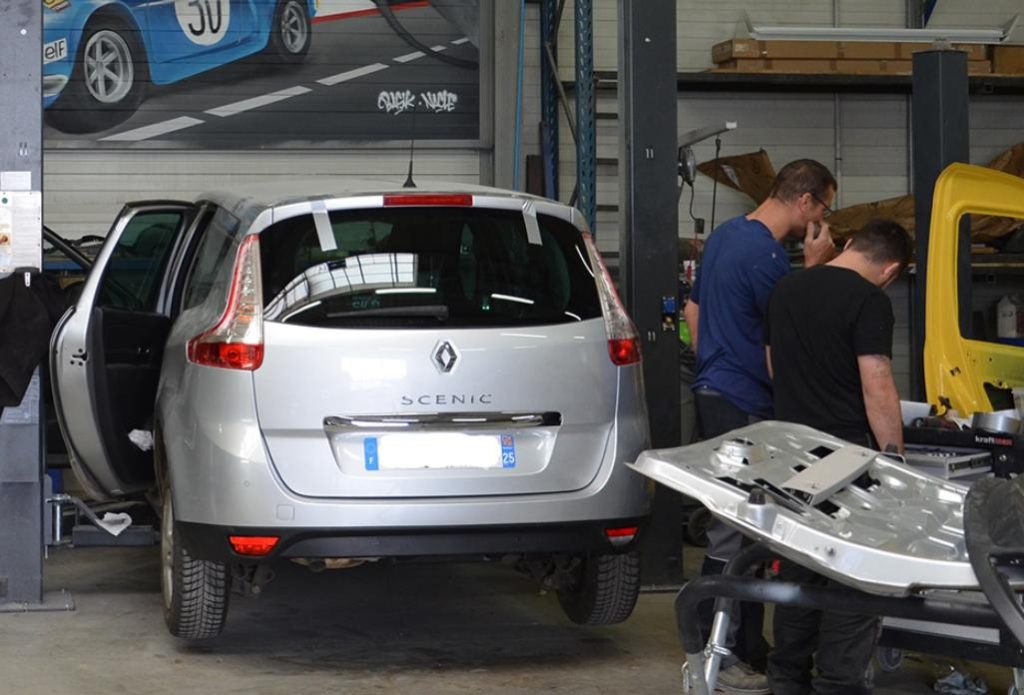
<point x="210" y="542"/>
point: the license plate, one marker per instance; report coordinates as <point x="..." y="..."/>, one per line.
<point x="439" y="450"/>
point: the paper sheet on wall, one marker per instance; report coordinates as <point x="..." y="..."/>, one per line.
<point x="21" y="230"/>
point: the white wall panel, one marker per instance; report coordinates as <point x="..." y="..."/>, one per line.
<point x="83" y="191"/>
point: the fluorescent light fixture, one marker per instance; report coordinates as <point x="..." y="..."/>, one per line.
<point x="296" y="312"/>
<point x="1006" y="34"/>
<point x="406" y="290"/>
<point x="692" y="137"/>
<point x="584" y="261"/>
<point x="511" y="298"/>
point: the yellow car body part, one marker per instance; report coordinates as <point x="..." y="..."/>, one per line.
<point x="956" y="368"/>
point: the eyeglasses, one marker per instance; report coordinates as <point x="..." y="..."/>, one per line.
<point x="828" y="210"/>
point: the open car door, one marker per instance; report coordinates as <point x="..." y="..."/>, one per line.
<point x="969" y="373"/>
<point x="106" y="351"/>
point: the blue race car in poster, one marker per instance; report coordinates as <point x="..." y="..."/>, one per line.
<point x="99" y="55"/>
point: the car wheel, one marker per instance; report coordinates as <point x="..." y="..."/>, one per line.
<point x="195" y="592"/>
<point x="604" y="589"/>
<point x="697" y="527"/>
<point x="291" y="33"/>
<point x="889" y="658"/>
<point x="107" y="80"/>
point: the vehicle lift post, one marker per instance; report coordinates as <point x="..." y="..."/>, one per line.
<point x="22" y="492"/>
<point x="941" y="136"/>
<point x="649" y="247"/>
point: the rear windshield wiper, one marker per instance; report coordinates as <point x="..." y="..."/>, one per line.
<point x="430" y="311"/>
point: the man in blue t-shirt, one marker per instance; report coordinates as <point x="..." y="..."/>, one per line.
<point x="742" y="261"/>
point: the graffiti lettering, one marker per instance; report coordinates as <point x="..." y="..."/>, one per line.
<point x="396" y="102"/>
<point x="439" y="102"/>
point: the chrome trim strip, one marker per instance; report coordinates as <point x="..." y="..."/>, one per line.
<point x="338" y="424"/>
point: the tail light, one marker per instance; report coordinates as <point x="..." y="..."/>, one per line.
<point x="622" y="535"/>
<point x="623" y="341"/>
<point x="253" y="546"/>
<point x="431" y="199"/>
<point x="236" y="341"/>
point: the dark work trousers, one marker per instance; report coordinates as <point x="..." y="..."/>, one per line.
<point x="716" y="415"/>
<point x="839" y="645"/>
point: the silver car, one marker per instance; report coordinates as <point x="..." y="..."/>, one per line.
<point x="335" y="375"/>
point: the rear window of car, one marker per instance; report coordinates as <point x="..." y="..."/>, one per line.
<point x="422" y="268"/>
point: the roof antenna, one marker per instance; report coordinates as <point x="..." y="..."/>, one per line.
<point x="409" y="183"/>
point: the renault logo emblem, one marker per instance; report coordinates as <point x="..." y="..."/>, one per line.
<point x="445" y="357"/>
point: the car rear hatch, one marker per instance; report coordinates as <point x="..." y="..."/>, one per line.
<point x="432" y="351"/>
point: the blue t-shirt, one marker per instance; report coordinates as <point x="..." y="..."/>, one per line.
<point x="742" y="263"/>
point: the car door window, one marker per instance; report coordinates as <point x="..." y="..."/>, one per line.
<point x="990" y="296"/>
<point x="136" y="267"/>
<point x="213" y="261"/>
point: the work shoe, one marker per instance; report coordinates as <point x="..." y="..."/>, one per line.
<point x="740" y="679"/>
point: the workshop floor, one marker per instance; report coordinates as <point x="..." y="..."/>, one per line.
<point x="413" y="628"/>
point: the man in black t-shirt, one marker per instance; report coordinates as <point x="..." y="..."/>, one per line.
<point x="829" y="349"/>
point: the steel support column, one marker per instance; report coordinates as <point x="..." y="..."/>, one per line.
<point x="549" y="96"/>
<point x="586" y="104"/>
<point x="939" y="117"/>
<point x="21" y="447"/>
<point x="649" y="242"/>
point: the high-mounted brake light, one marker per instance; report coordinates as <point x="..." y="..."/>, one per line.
<point x="253" y="546"/>
<point x="428" y="199"/>
<point x="236" y="341"/>
<point x="623" y="342"/>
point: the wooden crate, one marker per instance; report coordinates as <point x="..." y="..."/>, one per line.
<point x="1008" y="60"/>
<point x="749" y="49"/>
<point x="834" y="67"/>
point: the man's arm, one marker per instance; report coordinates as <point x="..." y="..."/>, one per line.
<point x="691" y="312"/>
<point x="881" y="401"/>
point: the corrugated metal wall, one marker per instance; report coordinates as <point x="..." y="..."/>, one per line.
<point x="84" y="190"/>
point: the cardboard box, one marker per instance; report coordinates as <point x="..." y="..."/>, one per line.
<point x="835" y="67"/>
<point x="869" y="50"/>
<point x="737" y="49"/>
<point x="873" y="67"/>
<point x="974" y="51"/>
<point x="818" y="67"/>
<point x="785" y="65"/>
<point x="1008" y="60"/>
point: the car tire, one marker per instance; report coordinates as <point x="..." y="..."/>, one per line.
<point x="92" y="102"/>
<point x="195" y="592"/>
<point x="697" y="527"/>
<point x="889" y="659"/>
<point x="291" y="32"/>
<point x="604" y="589"/>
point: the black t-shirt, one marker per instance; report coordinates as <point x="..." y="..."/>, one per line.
<point x="819" y="321"/>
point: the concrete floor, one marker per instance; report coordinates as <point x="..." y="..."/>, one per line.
<point x="429" y="628"/>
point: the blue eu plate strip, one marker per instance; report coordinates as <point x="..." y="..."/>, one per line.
<point x="508" y="451"/>
<point x="370" y="454"/>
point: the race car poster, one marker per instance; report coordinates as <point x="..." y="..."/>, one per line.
<point x="253" y="74"/>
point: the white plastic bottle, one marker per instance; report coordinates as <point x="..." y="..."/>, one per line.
<point x="1006" y="318"/>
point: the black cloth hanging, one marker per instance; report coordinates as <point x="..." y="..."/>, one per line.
<point x="27" y="317"/>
